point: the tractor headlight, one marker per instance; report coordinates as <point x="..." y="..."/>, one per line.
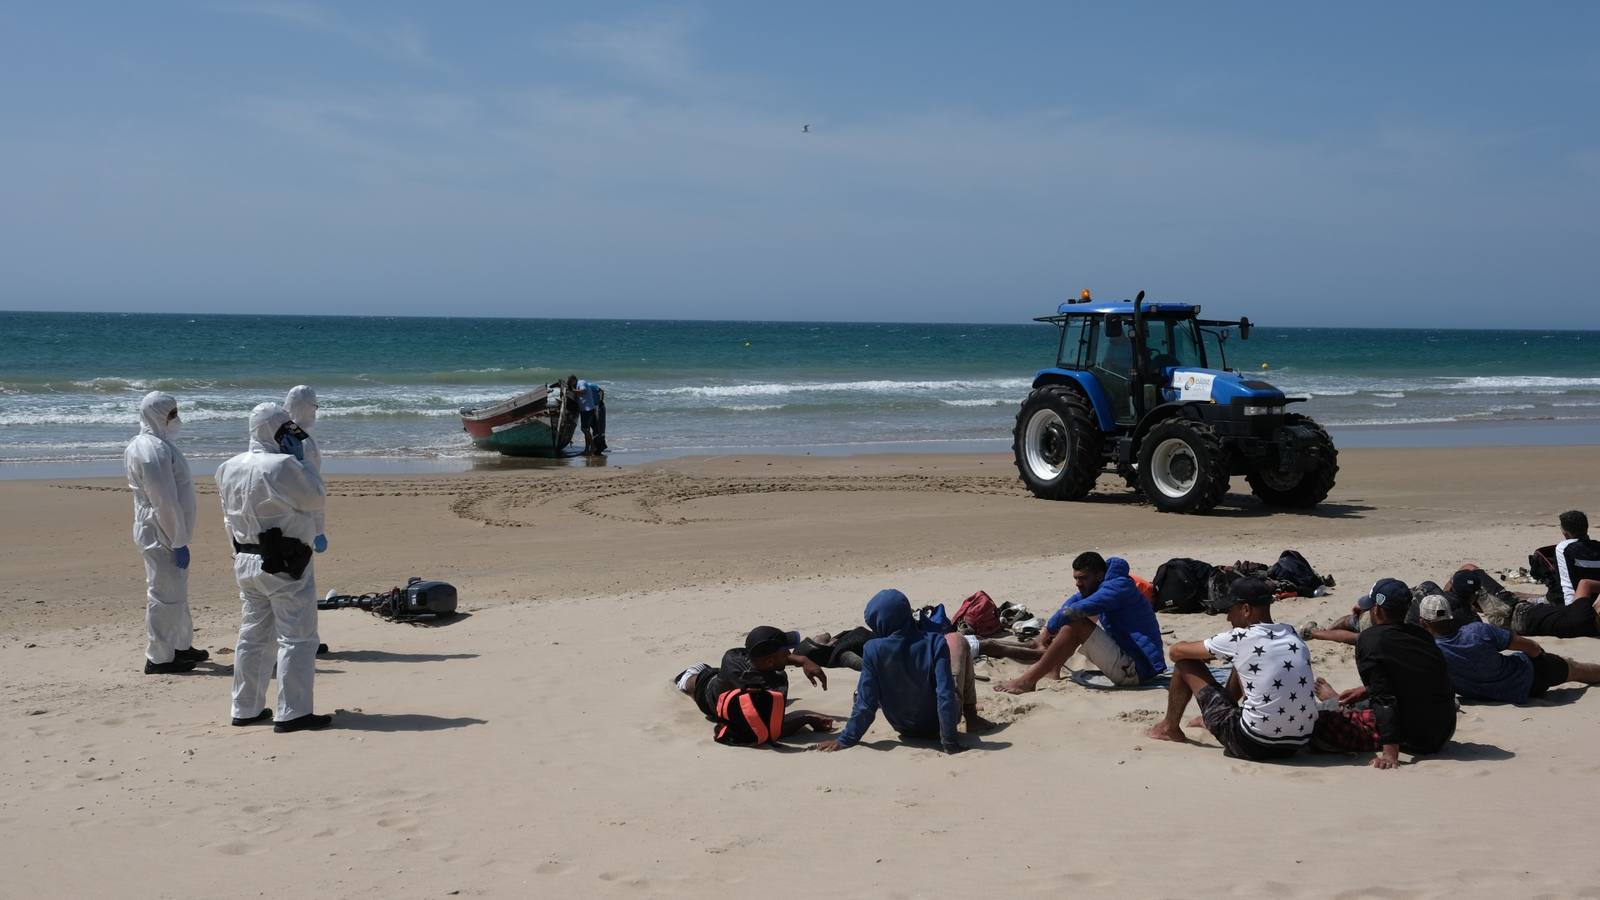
<point x="1263" y="410"/>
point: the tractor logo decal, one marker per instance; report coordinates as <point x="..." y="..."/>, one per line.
<point x="1194" y="385"/>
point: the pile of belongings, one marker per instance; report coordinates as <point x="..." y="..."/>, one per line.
<point x="1182" y="584"/>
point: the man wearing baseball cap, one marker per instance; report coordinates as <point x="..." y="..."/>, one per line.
<point x="1268" y="708"/>
<point x="759" y="664"/>
<point x="1405" y="700"/>
<point x="1480" y="670"/>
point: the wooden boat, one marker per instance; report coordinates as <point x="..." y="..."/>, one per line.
<point x="539" y="422"/>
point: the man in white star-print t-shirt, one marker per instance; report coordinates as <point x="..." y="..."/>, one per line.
<point x="1268" y="708"/>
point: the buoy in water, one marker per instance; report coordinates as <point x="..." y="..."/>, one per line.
<point x="747" y="343"/>
<point x="1266" y="365"/>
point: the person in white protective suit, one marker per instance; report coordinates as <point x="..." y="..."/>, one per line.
<point x="163" y="523"/>
<point x="301" y="404"/>
<point x="270" y="504"/>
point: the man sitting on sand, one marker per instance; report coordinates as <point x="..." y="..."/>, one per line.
<point x="1405" y="701"/>
<point x="758" y="665"/>
<point x="1267" y="710"/>
<point x="1479" y="670"/>
<point x="923" y="681"/>
<point x="1125" y="644"/>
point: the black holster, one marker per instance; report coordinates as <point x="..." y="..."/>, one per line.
<point x="280" y="555"/>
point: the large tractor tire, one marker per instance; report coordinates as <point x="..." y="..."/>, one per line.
<point x="1300" y="490"/>
<point x="1183" y="466"/>
<point x="1057" y="444"/>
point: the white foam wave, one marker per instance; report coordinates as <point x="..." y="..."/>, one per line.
<point x="752" y="407"/>
<point x="1487" y="384"/>
<point x="882" y="386"/>
<point x="1390" y="395"/>
<point x="982" y="401"/>
<point x="1575" y="403"/>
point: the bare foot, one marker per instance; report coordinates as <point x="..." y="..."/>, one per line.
<point x="1324" y="690"/>
<point x="1197" y="722"/>
<point x="1161" y="731"/>
<point x="1015" y="686"/>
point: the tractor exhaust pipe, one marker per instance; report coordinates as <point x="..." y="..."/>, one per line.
<point x="1138" y="358"/>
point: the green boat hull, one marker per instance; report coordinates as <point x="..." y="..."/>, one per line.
<point x="522" y="439"/>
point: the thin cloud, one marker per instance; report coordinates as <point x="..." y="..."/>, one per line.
<point x="655" y="52"/>
<point x="401" y="41"/>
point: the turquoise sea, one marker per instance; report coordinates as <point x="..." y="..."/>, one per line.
<point x="391" y="387"/>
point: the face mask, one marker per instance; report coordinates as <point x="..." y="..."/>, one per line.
<point x="174" y="426"/>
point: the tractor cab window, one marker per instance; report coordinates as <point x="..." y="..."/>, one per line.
<point x="1074" y="351"/>
<point x="1174" y="342"/>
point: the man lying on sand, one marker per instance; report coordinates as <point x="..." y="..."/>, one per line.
<point x="923" y="681"/>
<point x="1125" y="644"/>
<point x="1479" y="670"/>
<point x="1267" y="710"/>
<point x="1405" y="701"/>
<point x="759" y="665"/>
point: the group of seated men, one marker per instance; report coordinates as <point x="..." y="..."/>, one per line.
<point x="1415" y="651"/>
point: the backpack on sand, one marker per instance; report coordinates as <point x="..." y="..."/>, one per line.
<point x="749" y="717"/>
<point x="1292" y="570"/>
<point x="1180" y="585"/>
<point x="979" y="615"/>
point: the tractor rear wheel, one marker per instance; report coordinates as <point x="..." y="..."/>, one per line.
<point x="1300" y="490"/>
<point x="1057" y="444"/>
<point x="1183" y="466"/>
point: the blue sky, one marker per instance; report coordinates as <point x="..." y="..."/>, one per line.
<point x="1350" y="164"/>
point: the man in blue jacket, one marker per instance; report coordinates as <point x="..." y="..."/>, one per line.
<point x="910" y="673"/>
<point x="1126" y="642"/>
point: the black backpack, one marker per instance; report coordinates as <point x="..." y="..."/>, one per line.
<point x="1292" y="570"/>
<point x="1180" y="585"/>
<point x="749" y="717"/>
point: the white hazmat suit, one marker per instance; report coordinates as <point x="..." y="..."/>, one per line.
<point x="163" y="523"/>
<point x="301" y="404"/>
<point x="265" y="488"/>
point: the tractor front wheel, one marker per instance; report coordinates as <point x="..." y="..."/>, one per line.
<point x="1057" y="445"/>
<point x="1183" y="466"/>
<point x="1300" y="490"/>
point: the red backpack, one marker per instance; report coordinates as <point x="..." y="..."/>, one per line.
<point x="980" y="615"/>
<point x="749" y="717"/>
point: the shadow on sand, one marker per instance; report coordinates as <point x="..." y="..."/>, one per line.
<point x="355" y="720"/>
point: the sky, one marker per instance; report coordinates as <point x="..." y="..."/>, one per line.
<point x="1354" y="164"/>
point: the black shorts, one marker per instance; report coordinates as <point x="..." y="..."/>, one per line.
<point x="1549" y="670"/>
<point x="588" y="419"/>
<point x="1575" y="619"/>
<point x="1225" y="720"/>
<point x="704" y="698"/>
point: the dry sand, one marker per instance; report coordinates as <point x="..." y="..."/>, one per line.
<point x="534" y="748"/>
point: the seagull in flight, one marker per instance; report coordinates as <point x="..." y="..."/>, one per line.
<point x="805" y="129"/>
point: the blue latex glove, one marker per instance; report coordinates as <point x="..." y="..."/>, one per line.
<point x="180" y="555"/>
<point x="320" y="544"/>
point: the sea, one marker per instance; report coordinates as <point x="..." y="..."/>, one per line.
<point x="391" y="389"/>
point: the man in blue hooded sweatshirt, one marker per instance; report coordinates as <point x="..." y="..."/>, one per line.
<point x="908" y="672"/>
<point x="1126" y="643"/>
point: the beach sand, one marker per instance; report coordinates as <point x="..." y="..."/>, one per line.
<point x="534" y="747"/>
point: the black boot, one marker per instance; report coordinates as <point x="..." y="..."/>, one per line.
<point x="168" y="668"/>
<point x="193" y="654"/>
<point x="262" y="717"/>
<point x="307" y="722"/>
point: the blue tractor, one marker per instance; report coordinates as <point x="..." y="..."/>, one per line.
<point x="1135" y="390"/>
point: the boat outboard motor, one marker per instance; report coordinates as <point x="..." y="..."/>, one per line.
<point x="418" y="600"/>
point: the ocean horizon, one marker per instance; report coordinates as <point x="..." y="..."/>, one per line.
<point x="391" y="387"/>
